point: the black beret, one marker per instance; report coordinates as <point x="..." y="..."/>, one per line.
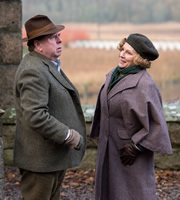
<point x="143" y="46"/>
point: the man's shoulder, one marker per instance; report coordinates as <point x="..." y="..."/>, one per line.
<point x="30" y="62"/>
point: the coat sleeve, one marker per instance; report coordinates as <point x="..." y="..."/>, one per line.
<point x="144" y="118"/>
<point x="32" y="89"/>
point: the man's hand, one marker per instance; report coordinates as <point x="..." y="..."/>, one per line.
<point x="73" y="139"/>
<point x="129" y="153"/>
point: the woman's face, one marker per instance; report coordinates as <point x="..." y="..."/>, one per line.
<point x="127" y="56"/>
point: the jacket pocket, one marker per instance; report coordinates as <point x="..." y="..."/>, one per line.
<point x="122" y="133"/>
<point x="122" y="138"/>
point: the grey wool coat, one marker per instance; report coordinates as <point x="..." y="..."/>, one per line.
<point x="47" y="105"/>
<point x="132" y="111"/>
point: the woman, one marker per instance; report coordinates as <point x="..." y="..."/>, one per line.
<point x="130" y="125"/>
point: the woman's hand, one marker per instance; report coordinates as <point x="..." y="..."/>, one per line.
<point x="129" y="153"/>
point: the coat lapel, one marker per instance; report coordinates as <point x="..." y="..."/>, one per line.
<point x="104" y="94"/>
<point x="129" y="81"/>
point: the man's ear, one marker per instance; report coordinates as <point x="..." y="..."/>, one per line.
<point x="37" y="45"/>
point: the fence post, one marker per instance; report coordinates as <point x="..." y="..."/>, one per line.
<point x="85" y="95"/>
<point x="1" y="159"/>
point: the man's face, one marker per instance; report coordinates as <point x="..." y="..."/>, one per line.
<point x="50" y="46"/>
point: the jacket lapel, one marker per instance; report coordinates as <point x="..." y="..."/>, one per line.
<point x="59" y="76"/>
<point x="63" y="80"/>
<point x="69" y="82"/>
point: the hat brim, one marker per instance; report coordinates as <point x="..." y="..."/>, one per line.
<point x="56" y="29"/>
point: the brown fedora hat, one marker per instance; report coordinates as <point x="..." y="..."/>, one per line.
<point x="40" y="25"/>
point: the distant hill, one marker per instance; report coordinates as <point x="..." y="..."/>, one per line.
<point x="104" y="11"/>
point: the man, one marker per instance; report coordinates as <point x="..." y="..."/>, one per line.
<point x="50" y="127"/>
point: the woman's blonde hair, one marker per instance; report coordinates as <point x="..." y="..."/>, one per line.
<point x="138" y="60"/>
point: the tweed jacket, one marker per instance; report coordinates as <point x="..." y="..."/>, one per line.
<point x="47" y="105"/>
<point x="131" y="111"/>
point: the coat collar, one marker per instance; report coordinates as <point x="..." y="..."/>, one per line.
<point x="127" y="82"/>
<point x="60" y="76"/>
